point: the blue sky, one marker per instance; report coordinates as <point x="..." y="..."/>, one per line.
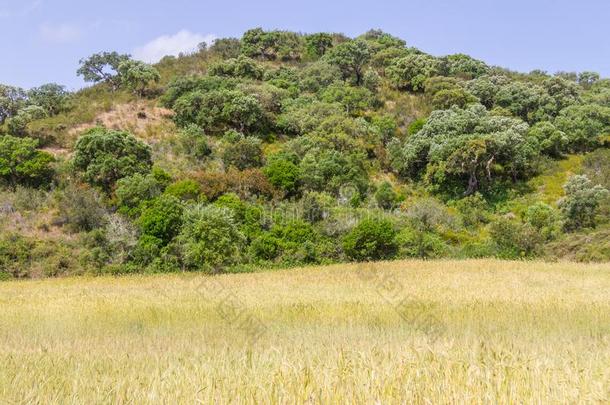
<point x="42" y="40"/>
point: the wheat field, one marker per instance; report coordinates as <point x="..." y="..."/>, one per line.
<point x="437" y="332"/>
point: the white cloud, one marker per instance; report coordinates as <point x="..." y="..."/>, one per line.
<point x="181" y="42"/>
<point x="60" y="33"/>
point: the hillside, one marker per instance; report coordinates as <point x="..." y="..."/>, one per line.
<point x="483" y="331"/>
<point x="283" y="149"/>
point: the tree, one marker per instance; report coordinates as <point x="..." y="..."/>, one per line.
<point x="105" y="156"/>
<point x="226" y="47"/>
<point x="17" y="125"/>
<point x="318" y="44"/>
<point x="350" y="57"/>
<point x="464" y="66"/>
<point x="580" y="203"/>
<point x="51" y="97"/>
<point x="272" y="45"/>
<point x="137" y="76"/>
<point x="412" y="71"/>
<point x="102" y="67"/>
<point x="583" y="125"/>
<point x="242" y="66"/>
<point x="210" y="239"/>
<point x="131" y="192"/>
<point x="386" y="197"/>
<point x="12" y="99"/>
<point x="464" y="150"/>
<point x="552" y="141"/>
<point x="22" y="164"/>
<point x="530" y="102"/>
<point x="371" y="240"/>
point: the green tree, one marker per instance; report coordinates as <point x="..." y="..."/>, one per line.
<point x="22" y="164"/>
<point x="412" y="71"/>
<point x="105" y="156"/>
<point x="318" y="44"/>
<point x="102" y="67"/>
<point x="581" y="201"/>
<point x="584" y="125"/>
<point x="242" y="67"/>
<point x="161" y="218"/>
<point x="131" y="192"/>
<point x="52" y="97"/>
<point x="283" y="172"/>
<point x="245" y="153"/>
<point x="350" y="57"/>
<point x="12" y="99"/>
<point x="137" y="76"/>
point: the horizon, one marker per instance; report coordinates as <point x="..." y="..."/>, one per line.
<point x="552" y="36"/>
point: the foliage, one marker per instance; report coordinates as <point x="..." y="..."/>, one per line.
<point x="412" y="71"/>
<point x="514" y="239"/>
<point x="131" y="192"/>
<point x="52" y="97"/>
<point x="185" y="190"/>
<point x="371" y="239"/>
<point x="581" y="202"/>
<point x="102" y="67"/>
<point x="137" y="76"/>
<point x="80" y="208"/>
<point x="245" y="153"/>
<point x="385" y="196"/>
<point x="350" y="57"/>
<point x="583" y="125"/>
<point x="21" y="163"/>
<point x="161" y="218"/>
<point x="209" y="239"/>
<point x="242" y="67"/>
<point x="105" y="156"/>
<point x="283" y="172"/>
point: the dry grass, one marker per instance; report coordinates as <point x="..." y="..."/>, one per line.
<point x="470" y="332"/>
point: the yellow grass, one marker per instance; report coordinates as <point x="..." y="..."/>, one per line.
<point x="403" y="332"/>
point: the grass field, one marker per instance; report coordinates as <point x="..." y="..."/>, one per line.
<point x="401" y="332"/>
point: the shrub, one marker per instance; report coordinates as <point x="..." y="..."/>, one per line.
<point x="543" y="218"/>
<point x="242" y="67"/>
<point x="105" y="156"/>
<point x="80" y="208"/>
<point x="371" y="240"/>
<point x="428" y="215"/>
<point x="21" y="163"/>
<point x="412" y="71"/>
<point x="265" y="247"/>
<point x="473" y="210"/>
<point x="210" y="238"/>
<point x="162" y="218"/>
<point x="414" y="243"/>
<point x="385" y="196"/>
<point x="194" y="143"/>
<point x="315" y="206"/>
<point x="185" y="190"/>
<point x="283" y="172"/>
<point x="247" y="183"/>
<point x="581" y="201"/>
<point x="514" y="239"/>
<point x="15" y="256"/>
<point x="132" y="191"/>
<point x="245" y="153"/>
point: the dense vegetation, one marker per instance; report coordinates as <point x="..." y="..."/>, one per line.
<point x="283" y="149"/>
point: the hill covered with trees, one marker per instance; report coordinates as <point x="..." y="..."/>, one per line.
<point x="282" y="149"/>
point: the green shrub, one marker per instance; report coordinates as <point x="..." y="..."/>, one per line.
<point x="514" y="239"/>
<point x="473" y="210"/>
<point x="132" y="191"/>
<point x="105" y="156"/>
<point x="22" y="164"/>
<point x="581" y="202"/>
<point x="186" y="190"/>
<point x="265" y="247"/>
<point x="245" y="153"/>
<point x="371" y="240"/>
<point x="162" y="218"/>
<point x="385" y="196"/>
<point x="421" y="244"/>
<point x="283" y="173"/>
<point x="544" y="218"/>
<point x="210" y="238"/>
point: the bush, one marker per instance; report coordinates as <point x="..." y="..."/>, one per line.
<point x="162" y="218"/>
<point x="15" y="256"/>
<point x="580" y="204"/>
<point x="514" y="239"/>
<point x="371" y="240"/>
<point x="22" y="164"/>
<point x="194" y="143"/>
<point x="283" y="172"/>
<point x="265" y="247"/>
<point x="245" y="153"/>
<point x="105" y="156"/>
<point x="473" y="210"/>
<point x="132" y="191"/>
<point x="185" y="190"/>
<point x="246" y="184"/>
<point x="315" y="206"/>
<point x="210" y="239"/>
<point x="385" y="196"/>
<point x="414" y="243"/>
<point x="543" y="218"/>
<point x="81" y="208"/>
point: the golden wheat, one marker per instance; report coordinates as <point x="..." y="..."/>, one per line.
<point x="398" y="332"/>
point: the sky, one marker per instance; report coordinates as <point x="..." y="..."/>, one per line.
<point x="43" y="40"/>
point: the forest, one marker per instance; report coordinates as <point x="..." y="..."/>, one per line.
<point x="283" y="149"/>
